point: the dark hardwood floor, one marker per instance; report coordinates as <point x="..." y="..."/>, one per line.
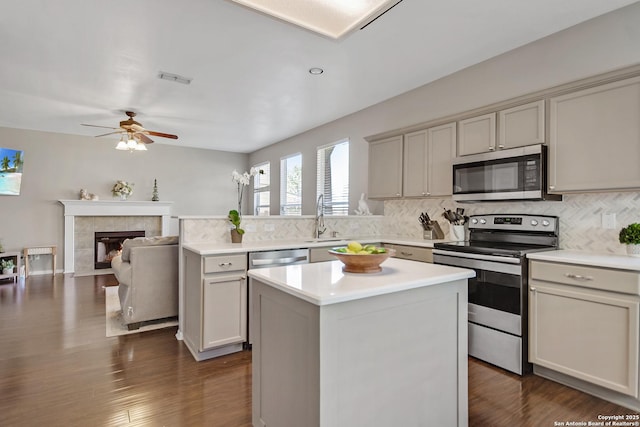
<point x="57" y="368"/>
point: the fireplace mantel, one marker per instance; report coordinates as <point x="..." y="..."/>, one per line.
<point x="74" y="208"/>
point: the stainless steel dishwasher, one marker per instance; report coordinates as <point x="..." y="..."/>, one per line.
<point x="275" y="258"/>
<point x="278" y="258"/>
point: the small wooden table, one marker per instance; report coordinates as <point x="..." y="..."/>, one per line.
<point x="39" y="250"/>
<point x="16" y="257"/>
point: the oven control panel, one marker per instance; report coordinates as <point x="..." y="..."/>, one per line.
<point x="514" y="222"/>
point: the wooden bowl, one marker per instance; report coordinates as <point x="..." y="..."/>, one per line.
<point x="362" y="263"/>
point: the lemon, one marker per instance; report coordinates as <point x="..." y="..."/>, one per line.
<point x="354" y="246"/>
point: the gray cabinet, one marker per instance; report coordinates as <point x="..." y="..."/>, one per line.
<point x="342" y="364"/>
<point x="216" y="304"/>
<point x="477" y="134"/>
<point x="583" y="323"/>
<point x="427" y="161"/>
<point x="521" y="125"/>
<point x="385" y="168"/>
<point x="516" y="127"/>
<point x="594" y="138"/>
<point x="413" y="253"/>
<point x="321" y="254"/>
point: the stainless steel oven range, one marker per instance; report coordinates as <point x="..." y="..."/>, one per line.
<point x="496" y="250"/>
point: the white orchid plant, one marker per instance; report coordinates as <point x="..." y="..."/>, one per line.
<point x="241" y="180"/>
<point x="122" y="188"/>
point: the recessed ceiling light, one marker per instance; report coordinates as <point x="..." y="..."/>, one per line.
<point x="331" y="18"/>
<point x="316" y="70"/>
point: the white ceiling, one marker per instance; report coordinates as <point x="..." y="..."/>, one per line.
<point x="67" y="62"/>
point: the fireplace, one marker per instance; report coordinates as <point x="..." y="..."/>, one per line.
<point x="108" y="245"/>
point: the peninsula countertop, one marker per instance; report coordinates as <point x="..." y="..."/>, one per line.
<point x="325" y="283"/>
<point x="213" y="248"/>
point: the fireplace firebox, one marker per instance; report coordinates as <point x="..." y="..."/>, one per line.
<point x="108" y="245"/>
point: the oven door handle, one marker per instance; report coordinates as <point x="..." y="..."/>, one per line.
<point x="509" y="260"/>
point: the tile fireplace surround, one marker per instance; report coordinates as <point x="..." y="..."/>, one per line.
<point x="84" y="217"/>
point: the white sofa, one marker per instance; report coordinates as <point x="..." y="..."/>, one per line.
<point x="147" y="271"/>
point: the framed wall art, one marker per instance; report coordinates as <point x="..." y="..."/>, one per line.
<point x="11" y="162"/>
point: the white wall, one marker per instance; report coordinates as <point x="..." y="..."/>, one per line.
<point x="57" y="166"/>
<point x="603" y="44"/>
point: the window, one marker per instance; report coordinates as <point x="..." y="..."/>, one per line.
<point x="333" y="177"/>
<point x="291" y="185"/>
<point x="262" y="189"/>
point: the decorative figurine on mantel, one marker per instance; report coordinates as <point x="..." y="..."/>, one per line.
<point x="154" y="196"/>
<point x="85" y="195"/>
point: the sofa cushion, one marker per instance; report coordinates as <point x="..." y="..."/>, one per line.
<point x="145" y="241"/>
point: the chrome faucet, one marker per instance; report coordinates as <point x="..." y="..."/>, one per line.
<point x="320" y="228"/>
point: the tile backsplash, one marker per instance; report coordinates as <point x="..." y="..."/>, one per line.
<point x="264" y="228"/>
<point x="580" y="216"/>
<point x="580" y="221"/>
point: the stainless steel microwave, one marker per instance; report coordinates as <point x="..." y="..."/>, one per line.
<point x="512" y="174"/>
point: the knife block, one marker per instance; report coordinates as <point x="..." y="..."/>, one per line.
<point x="434" y="233"/>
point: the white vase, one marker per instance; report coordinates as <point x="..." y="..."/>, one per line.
<point x="633" y="250"/>
<point x="123" y="197"/>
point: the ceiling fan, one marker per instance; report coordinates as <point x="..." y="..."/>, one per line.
<point x="133" y="131"/>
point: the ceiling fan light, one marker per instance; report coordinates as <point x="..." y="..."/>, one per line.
<point x="141" y="147"/>
<point x="122" y="145"/>
<point x="131" y="144"/>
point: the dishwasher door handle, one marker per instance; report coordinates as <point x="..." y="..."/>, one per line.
<point x="278" y="261"/>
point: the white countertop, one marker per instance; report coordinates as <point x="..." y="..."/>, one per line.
<point x="594" y="259"/>
<point x="325" y="283"/>
<point x="271" y="245"/>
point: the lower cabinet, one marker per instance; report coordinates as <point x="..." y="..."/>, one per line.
<point x="582" y="331"/>
<point x="216" y="302"/>
<point x="224" y="313"/>
<point x="321" y="254"/>
<point x="413" y="253"/>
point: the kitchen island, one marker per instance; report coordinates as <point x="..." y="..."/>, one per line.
<point x="339" y="349"/>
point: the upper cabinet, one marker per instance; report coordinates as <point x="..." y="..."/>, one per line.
<point x="385" y="168"/>
<point x="594" y="138"/>
<point x="516" y="127"/>
<point x="521" y="125"/>
<point x="477" y="134"/>
<point x="427" y="161"/>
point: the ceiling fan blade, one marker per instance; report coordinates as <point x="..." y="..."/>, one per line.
<point x="96" y="126"/>
<point x="110" y="133"/>
<point x="160" y="134"/>
<point x="144" y="138"/>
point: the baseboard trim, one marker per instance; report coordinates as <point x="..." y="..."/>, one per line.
<point x="592" y="389"/>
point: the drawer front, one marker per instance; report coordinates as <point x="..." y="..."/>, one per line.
<point x="321" y="254"/>
<point x="413" y="253"/>
<point x="623" y="281"/>
<point x="224" y="263"/>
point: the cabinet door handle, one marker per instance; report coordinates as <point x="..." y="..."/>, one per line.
<point x="500" y="146"/>
<point x="552" y="187"/>
<point x="578" y="277"/>
<point x="406" y="253"/>
<point x="491" y="148"/>
<point x="533" y="289"/>
<point x="225" y="264"/>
